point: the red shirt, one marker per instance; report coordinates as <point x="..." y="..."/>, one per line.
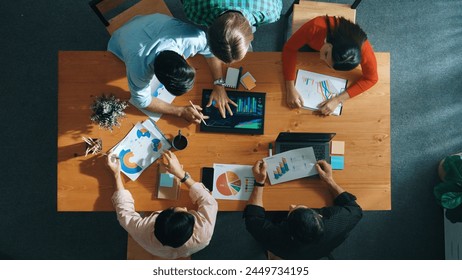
<point x="313" y="33"/>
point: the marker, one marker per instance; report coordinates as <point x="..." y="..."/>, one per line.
<point x="270" y="149"/>
<point x="194" y="107"/>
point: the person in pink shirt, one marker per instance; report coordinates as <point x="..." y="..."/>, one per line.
<point x="343" y="45"/>
<point x="176" y="231"/>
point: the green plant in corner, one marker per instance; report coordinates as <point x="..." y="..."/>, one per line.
<point x="107" y="111"/>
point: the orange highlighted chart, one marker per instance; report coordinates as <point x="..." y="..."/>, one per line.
<point x="228" y="183"/>
<point x="140" y="148"/>
<point x="232" y="181"/>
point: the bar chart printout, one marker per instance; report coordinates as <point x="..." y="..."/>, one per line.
<point x="291" y="165"/>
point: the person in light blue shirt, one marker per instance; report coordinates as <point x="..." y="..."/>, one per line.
<point x="155" y="47"/>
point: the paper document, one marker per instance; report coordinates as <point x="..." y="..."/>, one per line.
<point x="232" y="181"/>
<point x="316" y="88"/>
<point x="159" y="91"/>
<point x="291" y="165"/>
<point x="140" y="148"/>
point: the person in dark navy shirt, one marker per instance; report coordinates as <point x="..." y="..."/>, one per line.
<point x="305" y="233"/>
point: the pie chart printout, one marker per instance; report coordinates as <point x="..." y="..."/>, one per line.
<point x="232" y="181"/>
<point x="228" y="183"/>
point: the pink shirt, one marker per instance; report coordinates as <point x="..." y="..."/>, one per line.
<point x="142" y="229"/>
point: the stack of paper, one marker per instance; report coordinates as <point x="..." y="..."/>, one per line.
<point x="248" y="81"/>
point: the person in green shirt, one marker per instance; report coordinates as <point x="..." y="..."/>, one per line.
<point x="230" y="31"/>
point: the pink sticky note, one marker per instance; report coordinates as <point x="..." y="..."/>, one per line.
<point x="337" y="147"/>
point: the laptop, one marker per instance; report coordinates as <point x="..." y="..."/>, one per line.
<point x="294" y="140"/>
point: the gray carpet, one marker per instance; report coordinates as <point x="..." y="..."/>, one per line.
<point x="423" y="37"/>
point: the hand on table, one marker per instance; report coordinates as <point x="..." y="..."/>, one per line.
<point x="113" y="163"/>
<point x="188" y="113"/>
<point x="222" y="100"/>
<point x="294" y="99"/>
<point x="259" y="171"/>
<point x="172" y="165"/>
<point x="328" y="107"/>
<point x="325" y="171"/>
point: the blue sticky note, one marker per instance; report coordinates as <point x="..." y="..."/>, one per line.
<point x="337" y="162"/>
<point x="166" y="180"/>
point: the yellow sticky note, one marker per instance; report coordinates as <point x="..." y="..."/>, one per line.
<point x="248" y="82"/>
<point x="337" y="147"/>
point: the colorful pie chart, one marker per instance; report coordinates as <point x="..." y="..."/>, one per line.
<point x="126" y="164"/>
<point x="228" y="183"/>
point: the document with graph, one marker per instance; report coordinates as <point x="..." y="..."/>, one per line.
<point x="158" y="91"/>
<point x="316" y="88"/>
<point x="232" y="181"/>
<point x="291" y="165"/>
<point x="140" y="148"/>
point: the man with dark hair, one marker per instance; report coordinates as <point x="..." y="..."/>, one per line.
<point x="175" y="232"/>
<point x="154" y="49"/>
<point x="230" y="31"/>
<point x="305" y="233"/>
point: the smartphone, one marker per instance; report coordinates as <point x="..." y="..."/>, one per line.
<point x="207" y="177"/>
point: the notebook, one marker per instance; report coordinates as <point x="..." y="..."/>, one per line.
<point x="168" y="185"/>
<point x="294" y="140"/>
<point x="232" y="77"/>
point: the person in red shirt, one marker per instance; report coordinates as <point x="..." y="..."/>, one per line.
<point x="342" y="45"/>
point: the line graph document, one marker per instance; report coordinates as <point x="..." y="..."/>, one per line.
<point x="291" y="165"/>
<point x="316" y="88"/>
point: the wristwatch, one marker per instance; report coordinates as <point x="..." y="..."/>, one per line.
<point x="186" y="177"/>
<point x="258" y="184"/>
<point x="219" y="82"/>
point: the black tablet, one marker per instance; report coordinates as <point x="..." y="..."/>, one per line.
<point x="248" y="117"/>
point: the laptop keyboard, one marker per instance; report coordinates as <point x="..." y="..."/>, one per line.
<point x="319" y="150"/>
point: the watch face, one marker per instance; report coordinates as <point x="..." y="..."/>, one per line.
<point x="186" y="177"/>
<point x="219" y="82"/>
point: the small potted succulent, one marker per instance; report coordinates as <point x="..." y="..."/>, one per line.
<point x="107" y="111"/>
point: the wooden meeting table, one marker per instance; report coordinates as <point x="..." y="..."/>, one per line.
<point x="86" y="184"/>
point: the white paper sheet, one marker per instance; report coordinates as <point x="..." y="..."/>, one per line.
<point x="291" y="165"/>
<point x="140" y="148"/>
<point x="316" y="88"/>
<point x="159" y="91"/>
<point x="232" y="181"/>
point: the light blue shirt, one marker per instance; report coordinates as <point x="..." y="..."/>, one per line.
<point x="138" y="42"/>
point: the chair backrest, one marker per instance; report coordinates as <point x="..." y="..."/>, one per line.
<point x="136" y="252"/>
<point x="105" y="9"/>
<point x="307" y="10"/>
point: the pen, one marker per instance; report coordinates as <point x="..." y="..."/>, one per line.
<point x="270" y="149"/>
<point x="113" y="156"/>
<point x="194" y="107"/>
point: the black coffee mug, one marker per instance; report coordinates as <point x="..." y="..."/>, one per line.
<point x="180" y="142"/>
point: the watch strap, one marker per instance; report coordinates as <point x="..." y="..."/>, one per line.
<point x="219" y="82"/>
<point x="258" y="184"/>
<point x="186" y="177"/>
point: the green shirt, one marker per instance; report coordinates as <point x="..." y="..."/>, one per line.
<point x="257" y="12"/>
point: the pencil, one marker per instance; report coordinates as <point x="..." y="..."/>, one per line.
<point x="194" y="107"/>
